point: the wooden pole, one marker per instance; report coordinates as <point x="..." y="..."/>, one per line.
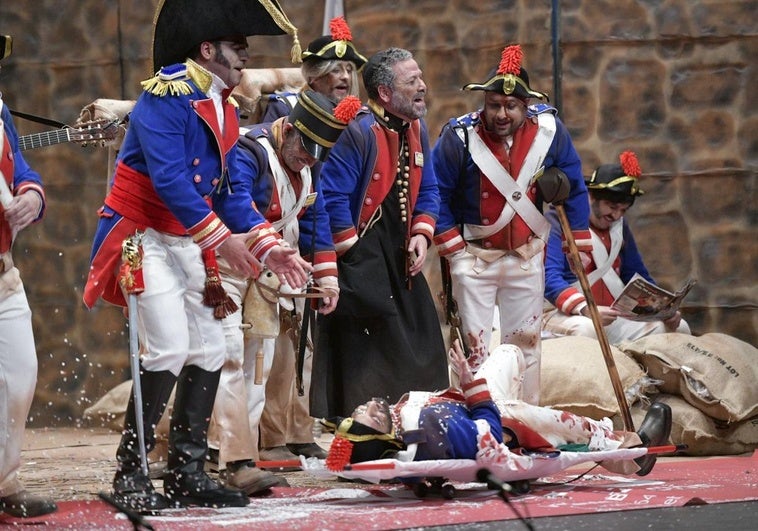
<point x="605" y="347"/>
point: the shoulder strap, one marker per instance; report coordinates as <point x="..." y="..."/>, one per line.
<point x="514" y="191"/>
<point x="604" y="260"/>
<point x="35" y="118"/>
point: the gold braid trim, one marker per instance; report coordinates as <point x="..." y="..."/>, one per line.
<point x="283" y="22"/>
<point x="212" y="226"/>
<point x="162" y="84"/>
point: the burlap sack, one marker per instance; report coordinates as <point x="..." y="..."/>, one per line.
<point x="716" y="373"/>
<point x="260" y="308"/>
<point x="704" y="435"/>
<point x="575" y="377"/>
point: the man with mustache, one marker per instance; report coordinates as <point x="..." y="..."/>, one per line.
<point x="384" y="337"/>
<point x="279" y="163"/>
<point x="613" y="262"/>
<point x="176" y="190"/>
<point x="491" y="229"/>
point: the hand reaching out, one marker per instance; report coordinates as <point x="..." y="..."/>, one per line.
<point x="291" y="268"/>
<point x="460" y="364"/>
<point x="234" y="250"/>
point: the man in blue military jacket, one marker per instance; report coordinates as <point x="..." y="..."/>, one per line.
<point x="175" y="183"/>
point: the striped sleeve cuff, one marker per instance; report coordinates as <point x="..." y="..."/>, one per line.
<point x="344" y="240"/>
<point x="264" y="238"/>
<point x="449" y="242"/>
<point x="583" y="239"/>
<point x="569" y="300"/>
<point x="324" y="264"/>
<point x="424" y="225"/>
<point x="476" y="392"/>
<point x="210" y="232"/>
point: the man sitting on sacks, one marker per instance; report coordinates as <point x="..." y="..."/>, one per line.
<point x="612" y="263"/>
<point x="481" y="421"/>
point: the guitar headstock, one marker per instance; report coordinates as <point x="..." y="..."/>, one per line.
<point x="96" y="132"/>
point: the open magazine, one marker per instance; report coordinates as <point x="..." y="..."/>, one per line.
<point x="643" y="301"/>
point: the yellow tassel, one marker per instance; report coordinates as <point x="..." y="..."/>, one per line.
<point x="281" y="20"/>
<point x="296" y="52"/>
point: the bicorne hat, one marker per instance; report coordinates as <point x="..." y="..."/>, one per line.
<point x="6" y="46"/>
<point x="335" y="47"/>
<point x="367" y="444"/>
<point x="180" y="25"/>
<point x="510" y="77"/>
<point x="320" y="122"/>
<point x="617" y="181"/>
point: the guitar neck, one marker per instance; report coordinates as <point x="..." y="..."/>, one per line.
<point x="48" y="138"/>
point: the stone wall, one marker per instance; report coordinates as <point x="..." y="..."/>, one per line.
<point x="669" y="79"/>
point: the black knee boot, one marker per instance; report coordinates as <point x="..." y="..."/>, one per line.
<point x="186" y="481"/>
<point x="130" y="485"/>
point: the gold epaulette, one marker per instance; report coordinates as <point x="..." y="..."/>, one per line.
<point x="173" y="80"/>
<point x="232" y="101"/>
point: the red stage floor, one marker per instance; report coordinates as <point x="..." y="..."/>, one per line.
<point x="676" y="482"/>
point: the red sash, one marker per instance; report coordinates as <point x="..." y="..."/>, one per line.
<point x="134" y="197"/>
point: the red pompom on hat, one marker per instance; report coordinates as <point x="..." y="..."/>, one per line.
<point x="630" y="164"/>
<point x="617" y="182"/>
<point x="320" y="122"/>
<point x="510" y="60"/>
<point x="346" y="110"/>
<point x="510" y="77"/>
<point x="340" y="30"/>
<point x="335" y="47"/>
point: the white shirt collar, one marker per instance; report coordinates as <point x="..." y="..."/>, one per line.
<point x="214" y="93"/>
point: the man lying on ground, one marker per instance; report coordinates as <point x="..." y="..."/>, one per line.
<point x="464" y="424"/>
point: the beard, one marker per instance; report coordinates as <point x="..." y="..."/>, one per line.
<point x="405" y="107"/>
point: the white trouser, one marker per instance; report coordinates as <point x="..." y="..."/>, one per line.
<point x="176" y="328"/>
<point x="503" y="371"/>
<point x="560" y="324"/>
<point x="516" y="286"/>
<point x="18" y="376"/>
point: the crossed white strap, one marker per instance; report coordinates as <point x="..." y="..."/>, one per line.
<point x="604" y="260"/>
<point x="514" y="191"/>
